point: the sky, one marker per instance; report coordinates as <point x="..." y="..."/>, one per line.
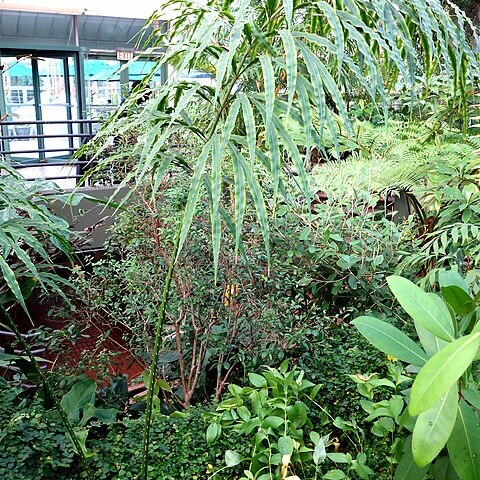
<point x="114" y="8"/>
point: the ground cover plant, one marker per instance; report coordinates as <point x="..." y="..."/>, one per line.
<point x="252" y="223"/>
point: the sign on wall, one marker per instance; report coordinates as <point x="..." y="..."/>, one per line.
<point x="125" y="54"/>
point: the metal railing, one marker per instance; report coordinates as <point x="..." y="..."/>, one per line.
<point x="46" y="152"/>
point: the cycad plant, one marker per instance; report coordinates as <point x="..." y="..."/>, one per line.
<point x="274" y="62"/>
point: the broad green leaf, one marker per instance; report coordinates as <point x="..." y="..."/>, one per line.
<point x="433" y="428"/>
<point x="407" y="469"/>
<point x="334" y="475"/>
<point x="390" y="340"/>
<point x="459" y="300"/>
<point x="442" y="469"/>
<point x="338" y="457"/>
<point x="214" y="431"/>
<point x="105" y="415"/>
<point x="319" y="452"/>
<point x="430" y="343"/>
<point x="285" y="445"/>
<point x="422" y="308"/>
<point x="272" y="422"/>
<point x="447" y="278"/>
<point x="232" y="459"/>
<point x="441" y="372"/>
<point x="464" y="444"/>
<point x="164" y="385"/>
<point x="257" y="380"/>
<point x="472" y="396"/>
<point x="82" y="393"/>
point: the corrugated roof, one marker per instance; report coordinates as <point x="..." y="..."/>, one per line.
<point x="41" y="30"/>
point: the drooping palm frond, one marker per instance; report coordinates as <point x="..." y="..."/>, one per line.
<point x="28" y="231"/>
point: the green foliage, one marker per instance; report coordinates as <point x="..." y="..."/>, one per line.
<point x="275" y="414"/>
<point x="278" y="59"/>
<point x="28" y="231"/>
<point x="398" y="155"/>
<point x="33" y="445"/>
<point x="338" y="257"/>
<point x="448" y="332"/>
<point x="32" y="442"/>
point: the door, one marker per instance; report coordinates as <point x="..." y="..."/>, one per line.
<point x="40" y="89"/>
<point x="40" y="101"/>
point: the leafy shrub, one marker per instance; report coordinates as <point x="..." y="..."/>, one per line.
<point x="33" y="445"/>
<point x="178" y="449"/>
<point x="32" y="441"/>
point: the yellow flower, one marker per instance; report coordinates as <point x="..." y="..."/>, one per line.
<point x="391" y="358"/>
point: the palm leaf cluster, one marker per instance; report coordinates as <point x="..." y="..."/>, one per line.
<point x="28" y="233"/>
<point x="276" y="62"/>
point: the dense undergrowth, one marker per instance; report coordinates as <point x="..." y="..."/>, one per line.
<point x="263" y="271"/>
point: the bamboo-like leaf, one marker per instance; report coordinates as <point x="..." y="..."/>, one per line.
<point x="229" y="124"/>
<point x="392" y="51"/>
<point x="216" y="177"/>
<point x="441" y="372"/>
<point x="291" y="65"/>
<point x="249" y="120"/>
<point x="193" y="195"/>
<point x="258" y="199"/>
<point x="236" y="32"/>
<point x="288" y="7"/>
<point x="433" y="428"/>
<point x="338" y="32"/>
<point x="222" y="65"/>
<point x="270" y="131"/>
<point x="159" y="174"/>
<point x="464" y="444"/>
<point x="297" y="159"/>
<point x="317" y="83"/>
<point x="432" y="315"/>
<point x="260" y="37"/>
<point x="307" y="117"/>
<point x="11" y="281"/>
<point x="240" y="199"/>
<point x="390" y="340"/>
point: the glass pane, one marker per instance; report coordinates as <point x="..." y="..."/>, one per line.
<point x="141" y="68"/>
<point x="103" y="86"/>
<point x="20" y="107"/>
<point x="54" y="106"/>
